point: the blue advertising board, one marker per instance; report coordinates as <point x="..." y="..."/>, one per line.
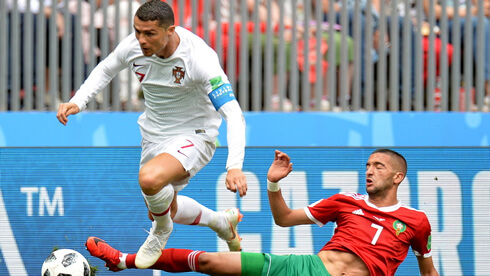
<point x="57" y="197"/>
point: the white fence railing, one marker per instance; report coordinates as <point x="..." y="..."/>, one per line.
<point x="350" y="55"/>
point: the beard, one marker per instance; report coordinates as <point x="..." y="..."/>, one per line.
<point x="374" y="191"/>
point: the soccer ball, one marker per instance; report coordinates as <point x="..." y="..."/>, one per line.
<point x="65" y="262"/>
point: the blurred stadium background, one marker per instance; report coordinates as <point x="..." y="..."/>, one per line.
<point x="410" y="59"/>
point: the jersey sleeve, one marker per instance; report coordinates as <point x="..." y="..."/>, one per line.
<point x="235" y="135"/>
<point x="100" y="77"/>
<point x="421" y="243"/>
<point x="323" y="211"/>
<point x="209" y="73"/>
<point x="221" y="94"/>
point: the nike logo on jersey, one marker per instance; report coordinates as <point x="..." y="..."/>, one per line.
<point x="137" y="65"/>
<point x="358" y="212"/>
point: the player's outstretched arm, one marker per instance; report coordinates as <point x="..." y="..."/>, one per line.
<point x="283" y="215"/>
<point x="426" y="266"/>
<point x="235" y="122"/>
<point x="65" y="110"/>
<point x="280" y="167"/>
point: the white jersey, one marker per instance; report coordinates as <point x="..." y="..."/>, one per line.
<point x="177" y="92"/>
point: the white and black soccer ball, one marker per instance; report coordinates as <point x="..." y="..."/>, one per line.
<point x="65" y="262"/>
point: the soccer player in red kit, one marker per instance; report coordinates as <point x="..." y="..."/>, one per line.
<point x="372" y="237"/>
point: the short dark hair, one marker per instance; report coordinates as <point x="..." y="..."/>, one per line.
<point x="397" y="156"/>
<point x="156" y="10"/>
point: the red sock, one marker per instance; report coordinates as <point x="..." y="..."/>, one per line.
<point x="130" y="260"/>
<point x="178" y="260"/>
<point x="172" y="260"/>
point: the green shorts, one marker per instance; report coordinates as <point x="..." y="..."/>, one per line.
<point x="264" y="264"/>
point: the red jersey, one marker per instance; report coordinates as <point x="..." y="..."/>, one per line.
<point x="379" y="236"/>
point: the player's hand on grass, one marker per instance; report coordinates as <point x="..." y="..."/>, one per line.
<point x="280" y="167"/>
<point x="65" y="110"/>
<point x="236" y="181"/>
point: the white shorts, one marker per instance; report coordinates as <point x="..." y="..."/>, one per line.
<point x="192" y="151"/>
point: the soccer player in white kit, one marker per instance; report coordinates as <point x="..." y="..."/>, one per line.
<point x="186" y="93"/>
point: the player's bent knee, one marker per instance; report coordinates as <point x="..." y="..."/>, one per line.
<point x="149" y="182"/>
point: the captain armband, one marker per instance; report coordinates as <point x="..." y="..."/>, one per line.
<point x="221" y="95"/>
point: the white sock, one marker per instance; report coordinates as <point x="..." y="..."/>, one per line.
<point x="122" y="261"/>
<point x="159" y="206"/>
<point x="191" y="212"/>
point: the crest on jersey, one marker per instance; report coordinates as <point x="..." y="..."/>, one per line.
<point x="178" y="74"/>
<point x="399" y="227"/>
<point x="429" y="242"/>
